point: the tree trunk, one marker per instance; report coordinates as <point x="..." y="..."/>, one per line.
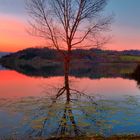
<point x="66" y="76"/>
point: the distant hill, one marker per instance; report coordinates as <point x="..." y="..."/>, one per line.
<point x="42" y="57"/>
<point x="3" y="54"/>
<point x="93" y="63"/>
<point x="131" y="52"/>
<point x="2" y="68"/>
<point x="94" y="55"/>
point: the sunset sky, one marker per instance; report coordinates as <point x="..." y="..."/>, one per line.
<point x="125" y="28"/>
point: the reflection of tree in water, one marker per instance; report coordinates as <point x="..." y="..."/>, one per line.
<point x="64" y="114"/>
<point x="70" y="115"/>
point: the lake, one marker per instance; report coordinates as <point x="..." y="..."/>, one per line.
<point x="104" y="106"/>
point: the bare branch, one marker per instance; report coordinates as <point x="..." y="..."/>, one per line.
<point x="61" y="20"/>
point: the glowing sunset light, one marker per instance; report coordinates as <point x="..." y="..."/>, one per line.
<point x="13" y="35"/>
<point x="22" y="86"/>
<point x="13" y="25"/>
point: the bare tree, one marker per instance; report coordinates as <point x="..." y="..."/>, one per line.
<point x="68" y="24"/>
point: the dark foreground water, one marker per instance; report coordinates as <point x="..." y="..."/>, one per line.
<point x="105" y="106"/>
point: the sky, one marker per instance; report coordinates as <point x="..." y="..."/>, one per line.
<point x="125" y="30"/>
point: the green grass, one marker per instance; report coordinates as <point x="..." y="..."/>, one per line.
<point x="130" y="58"/>
<point x="126" y="71"/>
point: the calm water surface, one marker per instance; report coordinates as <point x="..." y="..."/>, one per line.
<point x="15" y="85"/>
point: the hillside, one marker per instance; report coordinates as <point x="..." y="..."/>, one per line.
<point x="45" y="56"/>
<point x="3" y="54"/>
<point x="93" y="63"/>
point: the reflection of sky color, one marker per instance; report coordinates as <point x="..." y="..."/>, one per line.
<point x="125" y="29"/>
<point x="13" y="84"/>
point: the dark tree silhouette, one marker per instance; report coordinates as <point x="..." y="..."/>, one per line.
<point x="136" y="75"/>
<point x="68" y="24"/>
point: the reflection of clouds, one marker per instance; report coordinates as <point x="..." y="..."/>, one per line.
<point x="15" y="84"/>
<point x="113" y="87"/>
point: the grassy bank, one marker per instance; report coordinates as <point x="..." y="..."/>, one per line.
<point x="130" y="58"/>
<point x="127" y="137"/>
